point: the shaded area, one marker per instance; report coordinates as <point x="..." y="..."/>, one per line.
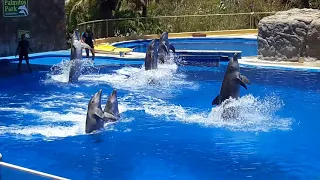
<point x="46" y="23"/>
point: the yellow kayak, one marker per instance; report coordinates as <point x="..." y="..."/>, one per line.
<point x="107" y="48"/>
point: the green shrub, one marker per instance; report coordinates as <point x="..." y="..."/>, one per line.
<point x="85" y="10"/>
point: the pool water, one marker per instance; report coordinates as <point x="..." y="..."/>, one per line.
<point x="166" y="131"/>
<point x="247" y="46"/>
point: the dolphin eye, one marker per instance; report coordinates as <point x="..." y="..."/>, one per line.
<point x="92" y="102"/>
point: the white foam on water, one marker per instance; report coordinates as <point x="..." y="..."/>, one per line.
<point x="50" y="126"/>
<point x="49" y="119"/>
<point x="61" y="100"/>
<point x="44" y="116"/>
<point x="135" y="79"/>
<point x="60" y="71"/>
<point x="49" y="131"/>
<point x="255" y="114"/>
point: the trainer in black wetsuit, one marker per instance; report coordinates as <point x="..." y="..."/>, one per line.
<point x="87" y="38"/>
<point x="23" y="51"/>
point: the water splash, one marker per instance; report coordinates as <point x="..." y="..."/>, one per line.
<point x="255" y="114"/>
<point x="172" y="58"/>
<point x="165" y="78"/>
<point x="60" y="72"/>
<point x="55" y="120"/>
<point x="50" y="124"/>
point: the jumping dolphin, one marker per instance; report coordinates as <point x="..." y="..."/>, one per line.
<point x="231" y="82"/>
<point x="164" y="47"/>
<point x="151" y="59"/>
<point x="112" y="105"/>
<point x="96" y="118"/>
<point x="76" y="56"/>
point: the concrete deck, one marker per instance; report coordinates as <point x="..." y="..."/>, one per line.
<point x="254" y="61"/>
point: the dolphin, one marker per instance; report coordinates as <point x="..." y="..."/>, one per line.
<point x="112" y="105"/>
<point x="76" y="56"/>
<point x="164" y="46"/>
<point x="231" y="82"/>
<point x="96" y="118"/>
<point x="151" y="59"/>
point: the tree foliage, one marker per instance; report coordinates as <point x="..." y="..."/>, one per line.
<point x="86" y="10"/>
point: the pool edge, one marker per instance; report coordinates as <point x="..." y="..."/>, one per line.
<point x="136" y="56"/>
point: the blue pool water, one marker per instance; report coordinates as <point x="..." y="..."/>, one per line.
<point x="166" y="131"/>
<point x="247" y="46"/>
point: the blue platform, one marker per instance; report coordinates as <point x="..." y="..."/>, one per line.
<point x="196" y="55"/>
<point x="49" y="59"/>
<point x="192" y="51"/>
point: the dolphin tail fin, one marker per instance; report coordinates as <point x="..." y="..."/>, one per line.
<point x="242" y="83"/>
<point x="244" y="79"/>
<point x="216" y="100"/>
<point x="172" y="48"/>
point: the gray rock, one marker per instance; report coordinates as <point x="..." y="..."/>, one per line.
<point x="287" y="35"/>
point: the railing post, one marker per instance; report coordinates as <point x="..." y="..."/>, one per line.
<point x="92" y="28"/>
<point x="251" y="20"/>
<point x="107" y="28"/>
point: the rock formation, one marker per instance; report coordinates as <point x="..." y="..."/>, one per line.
<point x="45" y="21"/>
<point x="289" y="35"/>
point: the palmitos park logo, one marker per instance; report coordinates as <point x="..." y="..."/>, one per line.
<point x="15" y="8"/>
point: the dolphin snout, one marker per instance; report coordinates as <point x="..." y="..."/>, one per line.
<point x="98" y="94"/>
<point x="114" y="92"/>
<point x="235" y="57"/>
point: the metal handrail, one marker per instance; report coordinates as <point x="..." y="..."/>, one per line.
<point x="30" y="171"/>
<point x="179" y="16"/>
<point x="101" y="28"/>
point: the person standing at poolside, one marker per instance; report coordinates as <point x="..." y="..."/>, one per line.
<point x="23" y="51"/>
<point x="88" y="38"/>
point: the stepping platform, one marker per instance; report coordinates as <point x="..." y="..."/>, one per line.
<point x="188" y="56"/>
<point x="205" y="57"/>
